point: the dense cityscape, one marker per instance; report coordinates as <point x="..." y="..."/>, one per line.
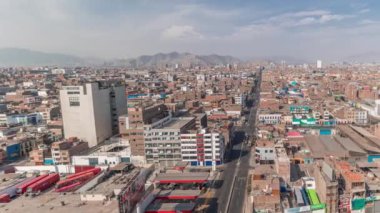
<point x="205" y="106"/>
<point x="259" y="137"/>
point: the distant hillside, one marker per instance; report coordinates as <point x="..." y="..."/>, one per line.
<point x="176" y="58"/>
<point x="366" y="57"/>
<point x="24" y="57"/>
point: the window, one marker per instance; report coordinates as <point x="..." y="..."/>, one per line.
<point x="73" y="93"/>
<point x="74" y="101"/>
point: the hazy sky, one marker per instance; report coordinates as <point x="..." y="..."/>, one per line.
<point x="308" y="29"/>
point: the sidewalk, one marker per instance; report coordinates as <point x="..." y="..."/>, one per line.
<point x="248" y="205"/>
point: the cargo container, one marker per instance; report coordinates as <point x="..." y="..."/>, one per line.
<point x="42" y="184"/>
<point x="5" y="198"/>
<point x="78" y="179"/>
<point x="95" y="171"/>
<point x="21" y="189"/>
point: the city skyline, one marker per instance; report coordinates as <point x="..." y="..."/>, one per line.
<point x="331" y="31"/>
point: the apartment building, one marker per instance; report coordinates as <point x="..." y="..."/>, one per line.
<point x="351" y="91"/>
<point x="90" y="112"/>
<point x="37" y="156"/>
<point x="356" y="116"/>
<point x="62" y="151"/>
<point x="239" y="99"/>
<point x="202" y="148"/>
<point x="325" y="179"/>
<point x="271" y="118"/>
<point x="163" y="140"/>
<point x="265" y="151"/>
<point x="350" y="180"/>
<point x="132" y="126"/>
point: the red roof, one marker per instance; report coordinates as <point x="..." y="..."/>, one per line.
<point x="178" y="197"/>
<point x="294" y="134"/>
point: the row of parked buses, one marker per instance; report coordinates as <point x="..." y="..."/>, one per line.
<point x="35" y="185"/>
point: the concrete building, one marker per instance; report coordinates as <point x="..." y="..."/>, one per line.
<point x="373" y="108"/>
<point x="37" y="156"/>
<point x="62" y="151"/>
<point x="265" y="151"/>
<point x="351" y="91"/>
<point x="202" y="148"/>
<point x="115" y="151"/>
<point x="265" y="193"/>
<point x="270" y="118"/>
<point x="90" y="112"/>
<point x="239" y="99"/>
<point x="200" y="120"/>
<point x="327" y="186"/>
<point x="282" y="164"/>
<point x="350" y="180"/>
<point x="356" y="116"/>
<point x="163" y="140"/>
<point x="319" y="64"/>
<point x="132" y="125"/>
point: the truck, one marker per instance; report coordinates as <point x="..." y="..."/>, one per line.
<point x="5" y="198"/>
<point x="77" y="179"/>
<point x="42" y="184"/>
<point x="21" y="189"/>
<point x="95" y="171"/>
<point x="69" y="187"/>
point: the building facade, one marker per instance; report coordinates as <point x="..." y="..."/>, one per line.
<point x="90" y="112"/>
<point x="202" y="149"/>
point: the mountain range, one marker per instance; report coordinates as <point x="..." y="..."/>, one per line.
<point x="25" y="57"/>
<point x="177" y="58"/>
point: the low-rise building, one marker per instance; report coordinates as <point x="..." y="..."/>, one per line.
<point x="63" y="150"/>
<point x="265" y="151"/>
<point x="271" y="118"/>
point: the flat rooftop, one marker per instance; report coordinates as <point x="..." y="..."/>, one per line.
<point x="348" y="144"/>
<point x="264" y="143"/>
<point x="52" y="202"/>
<point x="170" y="207"/>
<point x="117" y="181"/>
<point x="186" y="177"/>
<point x="358" y="139"/>
<point x="366" y="134"/>
<point x="321" y="146"/>
<point x="177" y="123"/>
<point x="178" y="194"/>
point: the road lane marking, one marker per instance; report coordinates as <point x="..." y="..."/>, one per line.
<point x="230" y="194"/>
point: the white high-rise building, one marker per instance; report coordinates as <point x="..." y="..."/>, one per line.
<point x="90" y="112"/>
<point x="202" y="148"/>
<point x="319" y="64"/>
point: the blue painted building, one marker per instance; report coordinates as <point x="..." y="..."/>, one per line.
<point x="13" y="151"/>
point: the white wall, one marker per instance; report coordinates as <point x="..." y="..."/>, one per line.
<point x="64" y="169"/>
<point x="91" y="121"/>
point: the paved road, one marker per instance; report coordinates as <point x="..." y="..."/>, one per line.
<point x="231" y="191"/>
